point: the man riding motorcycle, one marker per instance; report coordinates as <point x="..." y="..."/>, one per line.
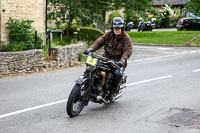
<point x="118" y="47"/>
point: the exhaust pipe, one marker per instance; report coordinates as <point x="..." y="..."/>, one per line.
<point x="118" y="96"/>
<point x="100" y="98"/>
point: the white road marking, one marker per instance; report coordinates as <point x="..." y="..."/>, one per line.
<point x="165" y="48"/>
<point x="32" y="108"/>
<point x="153" y="48"/>
<point x="146" y="59"/>
<point x="166" y="56"/>
<point x="198" y="70"/>
<point x="149" y="80"/>
<point x="65" y="100"/>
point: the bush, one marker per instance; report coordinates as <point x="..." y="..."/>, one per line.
<point x="19" y="30"/>
<point x="89" y="33"/>
<point x="112" y="15"/>
<point x="15" y="46"/>
<point x="130" y="15"/>
<point x="73" y="29"/>
<point x="21" y="35"/>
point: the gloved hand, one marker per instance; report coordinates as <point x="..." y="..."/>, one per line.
<point x="87" y="51"/>
<point x="121" y="62"/>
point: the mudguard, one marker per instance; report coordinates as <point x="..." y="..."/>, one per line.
<point x="81" y="80"/>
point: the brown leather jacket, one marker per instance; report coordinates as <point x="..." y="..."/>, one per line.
<point x="116" y="47"/>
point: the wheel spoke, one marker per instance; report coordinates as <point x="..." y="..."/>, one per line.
<point x="76" y="106"/>
<point x="76" y="100"/>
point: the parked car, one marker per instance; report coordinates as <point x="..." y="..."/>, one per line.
<point x="188" y="24"/>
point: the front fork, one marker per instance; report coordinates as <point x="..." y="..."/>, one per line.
<point x="88" y="81"/>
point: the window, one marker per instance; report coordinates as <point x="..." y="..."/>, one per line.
<point x="198" y="21"/>
<point x="194" y="21"/>
<point x="186" y="21"/>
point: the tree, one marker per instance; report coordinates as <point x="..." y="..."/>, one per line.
<point x="72" y="9"/>
<point x="86" y="12"/>
<point x="132" y="7"/>
<point x="94" y="11"/>
<point x="194" y="6"/>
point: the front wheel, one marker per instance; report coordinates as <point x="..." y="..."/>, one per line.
<point x="76" y="102"/>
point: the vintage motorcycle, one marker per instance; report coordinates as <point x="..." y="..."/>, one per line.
<point x="94" y="85"/>
<point x="145" y="26"/>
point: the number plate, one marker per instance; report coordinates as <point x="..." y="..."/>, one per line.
<point x="91" y="61"/>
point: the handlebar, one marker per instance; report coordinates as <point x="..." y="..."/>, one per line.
<point x="104" y="59"/>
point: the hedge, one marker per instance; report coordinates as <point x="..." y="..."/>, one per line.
<point x="113" y="15"/>
<point x="89" y="33"/>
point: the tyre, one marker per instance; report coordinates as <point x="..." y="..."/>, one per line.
<point x="76" y="102"/>
<point x="183" y="29"/>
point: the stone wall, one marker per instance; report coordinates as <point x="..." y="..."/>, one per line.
<point x="68" y="55"/>
<point x="14" y="63"/>
<point x="22" y="9"/>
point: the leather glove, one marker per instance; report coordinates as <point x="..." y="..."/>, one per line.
<point x="87" y="51"/>
<point x="121" y="62"/>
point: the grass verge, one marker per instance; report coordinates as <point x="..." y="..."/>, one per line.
<point x="172" y="38"/>
<point x="198" y="42"/>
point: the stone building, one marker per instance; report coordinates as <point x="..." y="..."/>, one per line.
<point x="175" y="3"/>
<point x="22" y="9"/>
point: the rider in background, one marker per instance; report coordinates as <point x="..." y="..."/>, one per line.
<point x="117" y="46"/>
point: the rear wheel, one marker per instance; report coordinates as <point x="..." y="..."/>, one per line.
<point x="76" y="102"/>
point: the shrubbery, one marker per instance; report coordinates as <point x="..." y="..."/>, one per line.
<point x="21" y="35"/>
<point x="112" y="15"/>
<point x="89" y="33"/>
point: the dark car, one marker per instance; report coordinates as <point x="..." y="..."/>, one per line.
<point x="188" y="24"/>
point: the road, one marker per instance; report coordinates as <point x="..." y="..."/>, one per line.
<point x="162" y="82"/>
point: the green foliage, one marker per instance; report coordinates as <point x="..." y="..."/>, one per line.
<point x="198" y="42"/>
<point x="164" y="15"/>
<point x="89" y="33"/>
<point x="81" y="57"/>
<point x="139" y="5"/>
<point x="15" y="46"/>
<point x="20" y="30"/>
<point x="74" y="28"/>
<point x="1" y="45"/>
<point x="194" y="6"/>
<point x="113" y="15"/>
<point x="59" y="8"/>
<point x="130" y="15"/>
<point x="90" y="12"/>
<point x="21" y="35"/>
<point x="85" y="12"/>
<point x="65" y="41"/>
